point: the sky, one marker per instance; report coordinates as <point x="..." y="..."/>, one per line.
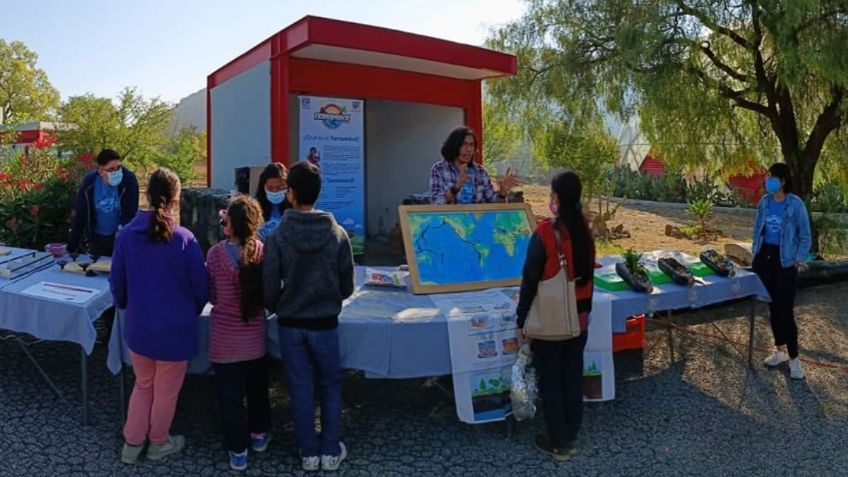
<point x="167" y="48"/>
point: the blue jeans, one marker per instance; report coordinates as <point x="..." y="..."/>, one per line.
<point x="301" y="350"/>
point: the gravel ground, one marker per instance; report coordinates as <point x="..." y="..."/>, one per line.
<point x="702" y="413"/>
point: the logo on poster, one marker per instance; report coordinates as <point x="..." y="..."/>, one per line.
<point x="332" y="116"/>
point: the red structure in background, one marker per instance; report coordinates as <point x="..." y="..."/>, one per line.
<point x="652" y="167"/>
<point x="34" y="134"/>
<point x="325" y="57"/>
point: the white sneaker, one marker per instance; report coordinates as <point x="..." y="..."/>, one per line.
<point x="332" y="462"/>
<point x="795" y="370"/>
<point x="776" y="359"/>
<point x="311" y="464"/>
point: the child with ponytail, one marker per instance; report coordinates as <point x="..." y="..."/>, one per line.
<point x="237" y="331"/>
<point x="159" y="278"/>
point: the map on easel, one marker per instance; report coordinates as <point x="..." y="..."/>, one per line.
<point x="458" y="248"/>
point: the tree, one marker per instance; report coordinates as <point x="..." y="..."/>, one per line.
<point x="715" y="83"/>
<point x="25" y="92"/>
<point x="181" y="153"/>
<point x="133" y="126"/>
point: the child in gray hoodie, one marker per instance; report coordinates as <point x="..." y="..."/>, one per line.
<point x="307" y="273"/>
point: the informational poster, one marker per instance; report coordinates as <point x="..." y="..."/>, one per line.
<point x="61" y="292"/>
<point x="484" y="345"/>
<point x="332" y="137"/>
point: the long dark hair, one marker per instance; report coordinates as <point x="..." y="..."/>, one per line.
<point x="274" y="170"/>
<point x="245" y="218"/>
<point x="568" y="189"/>
<point x="780" y="170"/>
<point x="163" y="188"/>
<point x="453" y="143"/>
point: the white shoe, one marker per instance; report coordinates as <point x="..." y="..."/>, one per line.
<point x="332" y="462"/>
<point x="311" y="464"/>
<point x="795" y="370"/>
<point x="776" y="359"/>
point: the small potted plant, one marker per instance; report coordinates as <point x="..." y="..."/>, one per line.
<point x="718" y="263"/>
<point x="633" y="272"/>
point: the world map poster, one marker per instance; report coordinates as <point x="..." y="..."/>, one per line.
<point x="465" y="247"/>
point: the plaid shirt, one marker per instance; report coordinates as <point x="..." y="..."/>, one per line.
<point x="444" y="175"/>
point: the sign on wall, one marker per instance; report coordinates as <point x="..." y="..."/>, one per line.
<point x="332" y="137"/>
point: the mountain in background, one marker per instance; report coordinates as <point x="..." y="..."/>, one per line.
<point x="190" y="112"/>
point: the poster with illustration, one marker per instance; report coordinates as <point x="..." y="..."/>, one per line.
<point x="332" y="137"/>
<point x="488" y="392"/>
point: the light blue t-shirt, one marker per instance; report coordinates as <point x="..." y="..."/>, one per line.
<point x="774" y="221"/>
<point x="272" y="222"/>
<point x="107" y="208"/>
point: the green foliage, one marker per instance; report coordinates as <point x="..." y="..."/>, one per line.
<point x="25" y="92"/>
<point x="632" y="260"/>
<point x="37" y="197"/>
<point x="134" y="126"/>
<point x="700" y="209"/>
<point x="720" y="87"/>
<point x="181" y="152"/>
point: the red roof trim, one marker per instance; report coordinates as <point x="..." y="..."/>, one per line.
<point x="325" y="31"/>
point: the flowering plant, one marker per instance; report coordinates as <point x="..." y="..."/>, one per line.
<point x="37" y="193"/>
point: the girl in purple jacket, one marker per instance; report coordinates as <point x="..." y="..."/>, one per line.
<point x="159" y="277"/>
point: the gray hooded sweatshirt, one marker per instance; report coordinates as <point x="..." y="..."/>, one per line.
<point x="307" y="270"/>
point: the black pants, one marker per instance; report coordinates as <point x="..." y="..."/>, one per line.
<point x="101" y="245"/>
<point x="234" y="382"/>
<point x="781" y="284"/>
<point x="560" y="366"/>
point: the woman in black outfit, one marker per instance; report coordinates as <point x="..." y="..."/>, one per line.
<point x="560" y="363"/>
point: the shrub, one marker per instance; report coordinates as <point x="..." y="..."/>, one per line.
<point x="37" y="197"/>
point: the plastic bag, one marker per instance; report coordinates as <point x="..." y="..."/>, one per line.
<point x="524" y="387"/>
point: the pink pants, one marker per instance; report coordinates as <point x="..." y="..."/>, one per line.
<point x="154" y="399"/>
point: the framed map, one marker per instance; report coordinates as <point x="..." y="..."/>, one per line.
<point x="453" y="248"/>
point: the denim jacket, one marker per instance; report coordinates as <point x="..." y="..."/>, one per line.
<point x="795" y="239"/>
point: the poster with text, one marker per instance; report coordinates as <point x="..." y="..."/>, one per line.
<point x="332" y="137"/>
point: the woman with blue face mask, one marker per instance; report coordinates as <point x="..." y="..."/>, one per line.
<point x="107" y="200"/>
<point x="782" y="241"/>
<point x="271" y="195"/>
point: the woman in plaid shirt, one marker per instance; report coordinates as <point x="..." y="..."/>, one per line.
<point x="459" y="180"/>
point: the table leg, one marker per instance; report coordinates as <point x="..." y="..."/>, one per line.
<point x="40" y="370"/>
<point x="670" y="336"/>
<point x="751" y="317"/>
<point x="84" y="385"/>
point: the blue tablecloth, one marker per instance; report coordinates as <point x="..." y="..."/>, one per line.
<point x="376" y="336"/>
<point x="372" y="336"/>
<point x="50" y="319"/>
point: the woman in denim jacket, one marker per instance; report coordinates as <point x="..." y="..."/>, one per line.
<point x="782" y="242"/>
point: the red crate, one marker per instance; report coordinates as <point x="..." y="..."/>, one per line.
<point x="633" y="336"/>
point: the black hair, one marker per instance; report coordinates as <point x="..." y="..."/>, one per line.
<point x="568" y="189"/>
<point x="454" y="141"/>
<point x="305" y="181"/>
<point x="274" y="170"/>
<point x="780" y="170"/>
<point x="106" y="156"/>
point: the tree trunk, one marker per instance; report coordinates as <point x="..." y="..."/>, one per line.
<point x="802" y="167"/>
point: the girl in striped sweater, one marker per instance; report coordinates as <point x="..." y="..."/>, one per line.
<point x="237" y="331"/>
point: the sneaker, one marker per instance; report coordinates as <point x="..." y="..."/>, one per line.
<point x="173" y="445"/>
<point x="311" y="464"/>
<point x="259" y="441"/>
<point x="776" y="359"/>
<point x="238" y="460"/>
<point x="332" y="462"/>
<point x="130" y="453"/>
<point x="795" y="370"/>
<point x="558" y="453"/>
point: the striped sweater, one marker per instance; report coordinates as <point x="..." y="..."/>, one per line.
<point x="230" y="339"/>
